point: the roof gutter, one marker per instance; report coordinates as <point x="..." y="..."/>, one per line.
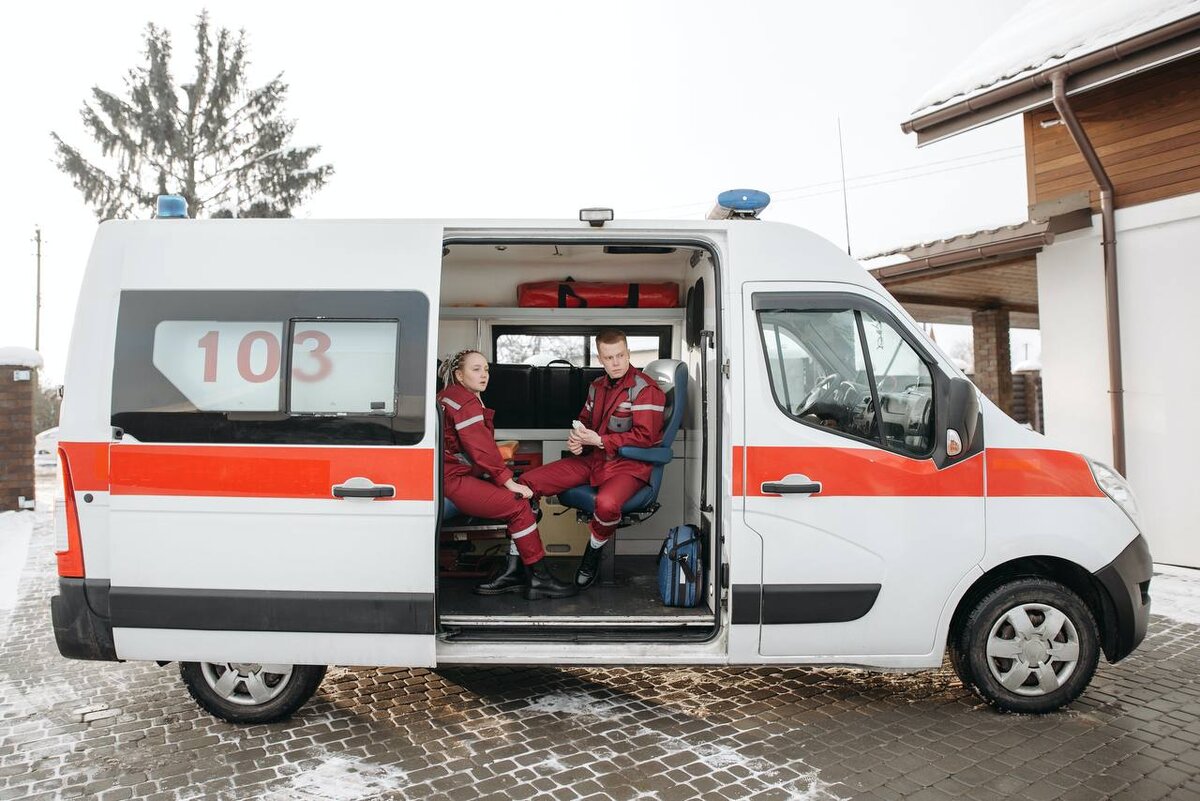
<point x="928" y="266"/>
<point x="1168" y="43"/>
<point x="1116" y="389"/>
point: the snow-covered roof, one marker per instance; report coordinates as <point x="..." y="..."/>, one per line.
<point x="1046" y="33"/>
<point x="972" y="239"/>
<point x="20" y="357"/>
<point x="1029" y="365"/>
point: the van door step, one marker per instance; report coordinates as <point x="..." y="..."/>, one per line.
<point x="691" y="617"/>
<point x="576" y="634"/>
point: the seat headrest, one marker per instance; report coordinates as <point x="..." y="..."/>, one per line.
<point x="665" y="373"/>
<point x="671" y="375"/>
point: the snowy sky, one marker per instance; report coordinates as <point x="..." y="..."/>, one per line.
<point x="534" y="110"/>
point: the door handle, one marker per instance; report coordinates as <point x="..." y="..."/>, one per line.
<point x="785" y="488"/>
<point x="363" y="488"/>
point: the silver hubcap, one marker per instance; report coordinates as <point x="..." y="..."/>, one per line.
<point x="246" y="683"/>
<point x="1033" y="649"/>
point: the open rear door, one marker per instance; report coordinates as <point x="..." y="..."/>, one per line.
<point x="272" y="497"/>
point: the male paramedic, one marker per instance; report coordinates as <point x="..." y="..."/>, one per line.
<point x="623" y="407"/>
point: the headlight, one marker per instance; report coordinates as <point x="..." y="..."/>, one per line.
<point x="1118" y="489"/>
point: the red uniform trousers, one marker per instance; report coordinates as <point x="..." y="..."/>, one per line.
<point x="611" y="493"/>
<point x="480" y="498"/>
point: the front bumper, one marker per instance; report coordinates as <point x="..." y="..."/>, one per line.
<point x="82" y="626"/>
<point x="1127" y="582"/>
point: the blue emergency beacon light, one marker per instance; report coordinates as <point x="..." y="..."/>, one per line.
<point x="742" y="204"/>
<point x="172" y="207"/>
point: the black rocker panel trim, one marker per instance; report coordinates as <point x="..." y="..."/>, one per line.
<point x="784" y="604"/>
<point x="272" y="610"/>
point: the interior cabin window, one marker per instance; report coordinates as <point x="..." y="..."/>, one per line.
<point x="306" y="367"/>
<point x="540" y="345"/>
<point x="852" y="372"/>
<point x="541" y="349"/>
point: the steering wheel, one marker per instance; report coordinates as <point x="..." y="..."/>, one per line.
<point x="810" y="400"/>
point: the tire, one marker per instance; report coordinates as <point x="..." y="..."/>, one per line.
<point x="250" y="693"/>
<point x="1030" y="645"/>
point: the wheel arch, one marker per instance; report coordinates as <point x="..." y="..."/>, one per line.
<point x="1071" y="575"/>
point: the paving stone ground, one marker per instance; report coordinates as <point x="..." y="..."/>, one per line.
<point x="569" y="733"/>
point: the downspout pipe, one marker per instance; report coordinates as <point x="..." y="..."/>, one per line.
<point x="1116" y="389"/>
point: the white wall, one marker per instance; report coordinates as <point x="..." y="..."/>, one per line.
<point x="1159" y="283"/>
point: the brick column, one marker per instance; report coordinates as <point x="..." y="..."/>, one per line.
<point x="17" y="385"/>
<point x="993" y="362"/>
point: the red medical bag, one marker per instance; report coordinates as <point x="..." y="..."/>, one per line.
<point x="579" y="294"/>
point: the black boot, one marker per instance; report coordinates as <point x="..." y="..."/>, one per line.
<point x="511" y="580"/>
<point x="543" y="584"/>
<point x="589" y="567"/>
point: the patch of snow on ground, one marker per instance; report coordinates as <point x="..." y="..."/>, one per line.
<point x="575" y="704"/>
<point x="1175" y="593"/>
<point x="15" y="529"/>
<point x="807" y="787"/>
<point x="338" y="778"/>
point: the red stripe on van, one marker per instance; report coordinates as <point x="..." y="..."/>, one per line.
<point x="739" y="482"/>
<point x="89" y="465"/>
<point x="267" y="472"/>
<point x="862" y="472"/>
<point x="1029" y="472"/>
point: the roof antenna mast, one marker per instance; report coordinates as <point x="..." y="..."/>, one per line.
<point x="845" y="202"/>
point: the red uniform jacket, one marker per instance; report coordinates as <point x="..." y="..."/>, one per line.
<point x="628" y="413"/>
<point x="469" y="438"/>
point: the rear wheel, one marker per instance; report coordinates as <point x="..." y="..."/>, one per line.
<point x="1030" y="645"/>
<point x="250" y="692"/>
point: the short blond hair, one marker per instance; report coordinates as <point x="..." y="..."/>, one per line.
<point x="611" y="336"/>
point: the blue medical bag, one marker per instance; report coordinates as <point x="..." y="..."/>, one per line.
<point x="680" y="571"/>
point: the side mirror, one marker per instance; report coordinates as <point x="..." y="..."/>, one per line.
<point x="963" y="416"/>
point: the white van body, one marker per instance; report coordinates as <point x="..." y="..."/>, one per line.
<point x="235" y="551"/>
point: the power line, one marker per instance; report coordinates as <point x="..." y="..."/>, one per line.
<point x="917" y="171"/>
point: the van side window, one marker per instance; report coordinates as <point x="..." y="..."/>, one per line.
<point x="818" y="373"/>
<point x="277" y="367"/>
<point x="848" y="370"/>
<point x="343" y="367"/>
<point x="905" y="388"/>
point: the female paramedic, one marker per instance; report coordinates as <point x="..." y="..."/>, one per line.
<point x="476" y="480"/>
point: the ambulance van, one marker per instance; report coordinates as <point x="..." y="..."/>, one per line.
<point x="250" y="452"/>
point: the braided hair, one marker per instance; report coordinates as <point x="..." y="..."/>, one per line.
<point x="450" y="365"/>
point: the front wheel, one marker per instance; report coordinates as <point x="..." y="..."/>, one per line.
<point x="1030" y="645"/>
<point x="244" y="692"/>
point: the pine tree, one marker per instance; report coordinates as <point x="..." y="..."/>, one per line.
<point x="223" y="146"/>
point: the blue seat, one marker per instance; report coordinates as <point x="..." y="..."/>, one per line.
<point x="672" y="378"/>
<point x="449" y="510"/>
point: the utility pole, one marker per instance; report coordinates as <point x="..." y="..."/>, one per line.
<point x="37" y="324"/>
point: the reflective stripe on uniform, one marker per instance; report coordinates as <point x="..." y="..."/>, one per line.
<point x="648" y="407"/>
<point x="469" y="421"/>
<point x="524" y="532"/>
<point x="451" y="403"/>
<point x="605" y="522"/>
